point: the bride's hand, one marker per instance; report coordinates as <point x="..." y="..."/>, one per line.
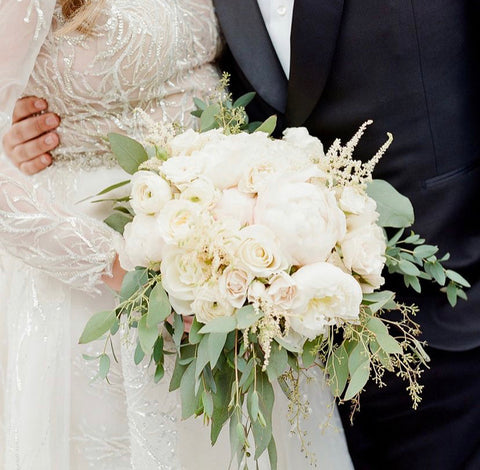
<point x="32" y="135"/>
<point x="118" y="273"/>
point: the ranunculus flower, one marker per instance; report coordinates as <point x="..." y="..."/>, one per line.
<point x="325" y="294"/>
<point x="234" y="284"/>
<point x="282" y="290"/>
<point x="363" y="251"/>
<point x="300" y="137"/>
<point x="150" y="193"/>
<point x="143" y="243"/>
<point x="200" y="191"/>
<point x="210" y="303"/>
<point x="305" y="218"/>
<point x="259" y="251"/>
<point x="236" y="205"/>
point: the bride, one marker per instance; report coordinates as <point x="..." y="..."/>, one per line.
<point x="95" y="63"/>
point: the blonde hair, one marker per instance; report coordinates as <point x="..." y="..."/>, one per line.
<point x="80" y="15"/>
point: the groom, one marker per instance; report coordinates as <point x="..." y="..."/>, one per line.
<point x="411" y="66"/>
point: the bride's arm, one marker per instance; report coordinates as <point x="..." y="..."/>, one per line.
<point x="23" y="27"/>
<point x="75" y="249"/>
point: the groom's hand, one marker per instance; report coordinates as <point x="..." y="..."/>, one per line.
<point x="32" y="135"/>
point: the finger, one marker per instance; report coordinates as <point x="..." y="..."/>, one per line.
<point x="30" y="128"/>
<point x="27" y="107"/>
<point x="36" y="165"/>
<point x="34" y="148"/>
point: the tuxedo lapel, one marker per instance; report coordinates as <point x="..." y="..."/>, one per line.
<point x="243" y="27"/>
<point x="315" y="30"/>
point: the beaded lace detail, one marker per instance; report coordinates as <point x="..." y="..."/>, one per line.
<point x="150" y="54"/>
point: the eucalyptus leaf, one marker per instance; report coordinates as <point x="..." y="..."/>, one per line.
<point x="216" y="342"/>
<point x="147" y="336"/>
<point x="262" y="428"/>
<point x="104" y="366"/>
<point x="395" y="209"/>
<point x="224" y="381"/>
<point x="187" y="391"/>
<point x="194" y="337"/>
<point x="159" y="373"/>
<point x="380" y="300"/>
<point x="132" y="282"/>
<point x="455" y="277"/>
<point x="268" y="126"/>
<point x="220" y="325"/>
<point x="272" y="454"/>
<point x="118" y="221"/>
<point x="278" y="361"/>
<point x="130" y="153"/>
<point x="208" y="119"/>
<point x="202" y="356"/>
<point x="139" y="354"/>
<point x="177" y="375"/>
<point x="244" y="100"/>
<point x="337" y="368"/>
<point x="207" y="402"/>
<point x="159" y="307"/>
<point x="358" y="380"/>
<point x="97" y="326"/>
<point x="247" y="316"/>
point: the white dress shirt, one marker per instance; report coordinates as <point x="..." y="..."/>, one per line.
<point x="277" y="15"/>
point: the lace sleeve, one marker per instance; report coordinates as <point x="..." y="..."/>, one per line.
<point x="75" y="249"/>
<point x="23" y="27"/>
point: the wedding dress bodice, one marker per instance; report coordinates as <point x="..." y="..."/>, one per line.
<point x="150" y="54"/>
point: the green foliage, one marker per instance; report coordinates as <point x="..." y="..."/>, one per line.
<point x="117" y="221"/>
<point x="395" y="209"/>
<point x="129" y="153"/>
<point x="97" y="326"/>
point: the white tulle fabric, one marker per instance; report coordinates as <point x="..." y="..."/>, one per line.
<point x="150" y="54"/>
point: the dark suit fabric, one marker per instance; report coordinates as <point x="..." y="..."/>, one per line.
<point x="412" y="67"/>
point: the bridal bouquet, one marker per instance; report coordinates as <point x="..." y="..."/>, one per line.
<point x="260" y="258"/>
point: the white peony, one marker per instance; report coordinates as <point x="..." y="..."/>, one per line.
<point x="190" y="141"/>
<point x="226" y="162"/>
<point x="325" y="294"/>
<point x="182" y="273"/>
<point x="150" y="192"/>
<point x="178" y="219"/>
<point x="259" y="251"/>
<point x="234" y="284"/>
<point x="282" y="290"/>
<point x="300" y="138"/>
<point x="358" y="206"/>
<point x="181" y="170"/>
<point x="305" y="218"/>
<point x="363" y="251"/>
<point x="235" y="205"/>
<point x="143" y="243"/>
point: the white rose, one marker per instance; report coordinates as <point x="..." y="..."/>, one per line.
<point x="200" y="191"/>
<point x="300" y="137"/>
<point x="236" y="205"/>
<point x="305" y="218"/>
<point x="282" y="290"/>
<point x="363" y="253"/>
<point x="190" y="141"/>
<point x="181" y="170"/>
<point x="259" y="251"/>
<point x="324" y="294"/>
<point x="359" y="207"/>
<point x="177" y="220"/>
<point x="150" y="192"/>
<point x="143" y="242"/>
<point x="234" y="283"/>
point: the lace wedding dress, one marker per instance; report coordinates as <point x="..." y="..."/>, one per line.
<point x="149" y="54"/>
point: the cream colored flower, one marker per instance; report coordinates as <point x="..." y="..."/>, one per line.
<point x="150" y="193"/>
<point x="282" y="290"/>
<point x="234" y="284"/>
<point x="300" y="137"/>
<point x="177" y="220"/>
<point x="305" y="218"/>
<point x="259" y="251"/>
<point x="325" y="295"/>
<point x="235" y="205"/>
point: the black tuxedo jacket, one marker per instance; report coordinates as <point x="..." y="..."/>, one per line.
<point x="411" y="66"/>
